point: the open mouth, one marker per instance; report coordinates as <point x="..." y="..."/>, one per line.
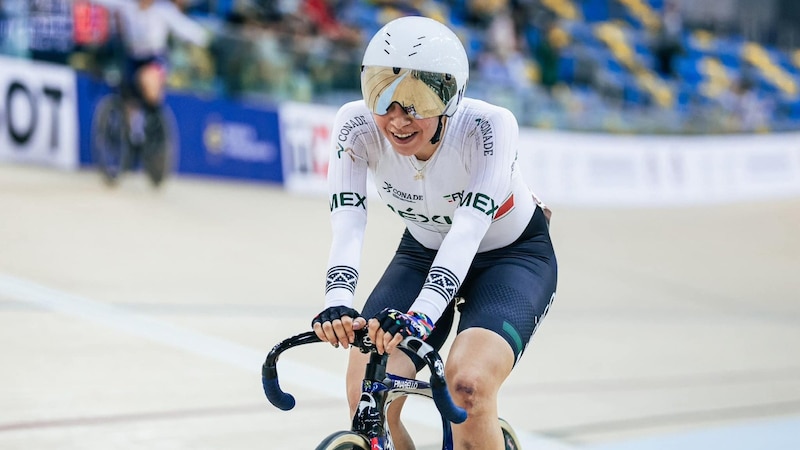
<point x="402" y="137"/>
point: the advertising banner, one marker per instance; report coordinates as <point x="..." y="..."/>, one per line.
<point x="305" y="138"/>
<point x="38" y="113"/>
<point x="227" y="138"/>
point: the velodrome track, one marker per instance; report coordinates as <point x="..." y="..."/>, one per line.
<point x="138" y="319"/>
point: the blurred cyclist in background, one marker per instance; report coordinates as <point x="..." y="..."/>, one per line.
<point x="476" y="237"/>
<point x="145" y="28"/>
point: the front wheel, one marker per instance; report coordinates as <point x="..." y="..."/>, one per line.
<point x="509" y="436"/>
<point x="344" y="440"/>
<point x="109" y="140"/>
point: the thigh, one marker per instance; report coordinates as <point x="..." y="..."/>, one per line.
<point x="509" y="296"/>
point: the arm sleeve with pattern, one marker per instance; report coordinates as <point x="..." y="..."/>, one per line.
<point x="347" y="189"/>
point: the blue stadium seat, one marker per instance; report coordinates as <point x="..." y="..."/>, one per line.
<point x="595" y="10"/>
<point x="686" y="67"/>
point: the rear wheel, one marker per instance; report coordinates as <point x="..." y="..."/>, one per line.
<point x="155" y="155"/>
<point x="110" y="146"/>
<point x="509" y="436"/>
<point x="344" y="440"/>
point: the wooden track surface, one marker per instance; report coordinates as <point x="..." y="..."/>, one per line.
<point x="138" y="319"/>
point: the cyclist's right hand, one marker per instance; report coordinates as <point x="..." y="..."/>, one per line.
<point x="337" y="325"/>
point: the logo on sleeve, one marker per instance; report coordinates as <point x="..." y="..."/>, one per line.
<point x="341" y="199"/>
<point x="349" y="126"/>
<point x="487" y="136"/>
<point x="506" y="207"/>
<point x="479" y="201"/>
<point x="483" y="203"/>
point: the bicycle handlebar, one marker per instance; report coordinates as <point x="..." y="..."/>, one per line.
<point x="441" y="396"/>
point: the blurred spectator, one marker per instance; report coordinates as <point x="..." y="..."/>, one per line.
<point x="548" y="53"/>
<point x="480" y="13"/>
<point x="233" y="55"/>
<point x="322" y="16"/>
<point x="50" y="30"/>
<point x="502" y="63"/>
<point x="5" y="28"/>
<point x="669" y="39"/>
<point x="746" y="110"/>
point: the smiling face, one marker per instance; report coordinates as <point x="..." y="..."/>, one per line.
<point x="408" y="136"/>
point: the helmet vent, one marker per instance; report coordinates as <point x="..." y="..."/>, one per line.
<point x="388" y="44"/>
<point x="419" y="44"/>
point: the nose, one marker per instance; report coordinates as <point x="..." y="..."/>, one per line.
<point x="397" y="115"/>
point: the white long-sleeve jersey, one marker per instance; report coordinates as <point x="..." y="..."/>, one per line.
<point x="146" y="31"/>
<point x="470" y="198"/>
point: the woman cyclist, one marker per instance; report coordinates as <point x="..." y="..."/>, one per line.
<point x="476" y="238"/>
<point x="145" y="29"/>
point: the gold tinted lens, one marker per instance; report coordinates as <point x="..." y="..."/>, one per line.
<point x="422" y="94"/>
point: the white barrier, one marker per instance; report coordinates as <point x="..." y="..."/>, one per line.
<point x="600" y="169"/>
<point x="596" y="169"/>
<point x="38" y="113"/>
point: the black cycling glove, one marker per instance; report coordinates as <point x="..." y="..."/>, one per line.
<point x="334" y="312"/>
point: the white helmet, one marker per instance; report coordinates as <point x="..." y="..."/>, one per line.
<point x="418" y="63"/>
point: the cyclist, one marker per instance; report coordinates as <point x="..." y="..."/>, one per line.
<point x="145" y="29"/>
<point x="476" y="237"/>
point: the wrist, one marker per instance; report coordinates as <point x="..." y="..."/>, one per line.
<point x="425" y="322"/>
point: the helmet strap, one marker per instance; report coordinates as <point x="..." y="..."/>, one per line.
<point x="438" y="135"/>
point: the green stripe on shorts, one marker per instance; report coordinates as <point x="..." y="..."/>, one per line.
<point x="511" y="331"/>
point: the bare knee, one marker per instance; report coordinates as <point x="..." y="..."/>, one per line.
<point x="472" y="391"/>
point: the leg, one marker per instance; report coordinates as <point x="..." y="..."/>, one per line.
<point x="478" y="363"/>
<point x="399" y="364"/>
<point x="150" y="80"/>
<point x="507" y="293"/>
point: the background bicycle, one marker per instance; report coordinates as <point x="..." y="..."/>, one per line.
<point x="370" y="430"/>
<point x="125" y="136"/>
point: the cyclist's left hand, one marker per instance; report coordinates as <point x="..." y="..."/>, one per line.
<point x="388" y="328"/>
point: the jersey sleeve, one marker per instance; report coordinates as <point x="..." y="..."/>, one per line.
<point x="184" y="27"/>
<point x="491" y="157"/>
<point x="347" y="189"/>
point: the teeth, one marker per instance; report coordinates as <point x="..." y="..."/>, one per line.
<point x="403" y="136"/>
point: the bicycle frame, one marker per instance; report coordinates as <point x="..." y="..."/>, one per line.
<point x="376" y="396"/>
<point x="378" y="390"/>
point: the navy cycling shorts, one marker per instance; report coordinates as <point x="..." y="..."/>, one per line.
<point x="132" y="67"/>
<point x="507" y="290"/>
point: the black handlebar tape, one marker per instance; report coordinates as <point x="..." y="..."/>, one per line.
<point x="276" y="396"/>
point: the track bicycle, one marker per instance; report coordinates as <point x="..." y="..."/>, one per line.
<point x="114" y="151"/>
<point x="369" y="429"/>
